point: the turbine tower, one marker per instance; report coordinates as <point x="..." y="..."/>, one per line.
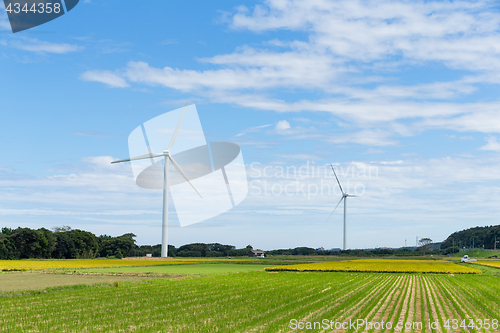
<point x="166" y="162"/>
<point x="344" y="197"/>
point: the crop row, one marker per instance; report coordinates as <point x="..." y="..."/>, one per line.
<point x="381" y="266"/>
<point x="261" y="302"/>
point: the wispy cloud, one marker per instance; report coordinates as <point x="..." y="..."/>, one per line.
<point x="39" y="46"/>
<point x="300" y="156"/>
<point x="252" y="129"/>
<point x="168" y="42"/>
<point x="368" y="137"/>
<point x="492" y="144"/>
<point x="109" y="78"/>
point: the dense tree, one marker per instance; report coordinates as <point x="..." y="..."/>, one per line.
<point x="483" y="236"/>
<point x="33" y="243"/>
<point x="111" y="246"/>
<point x="74" y="244"/>
<point x="7" y="248"/>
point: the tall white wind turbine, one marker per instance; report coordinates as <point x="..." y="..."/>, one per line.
<point x="344" y="197"/>
<point x="167" y="158"/>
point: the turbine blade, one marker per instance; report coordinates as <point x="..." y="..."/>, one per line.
<point x="350" y="195"/>
<point x="337" y="179"/>
<point x="335" y="209"/>
<point x="174" y="136"/>
<point x="141" y="157"/>
<point x="179" y="170"/>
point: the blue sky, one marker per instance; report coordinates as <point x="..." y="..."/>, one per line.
<point x="406" y="89"/>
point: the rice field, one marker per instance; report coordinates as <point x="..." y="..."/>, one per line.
<point x="267" y="302"/>
<point x="489" y="263"/>
<point x="25" y="265"/>
<point x="382" y="266"/>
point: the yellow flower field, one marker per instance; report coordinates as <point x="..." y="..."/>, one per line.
<point x="489" y="263"/>
<point x="24" y="265"/>
<point x="381" y="266"/>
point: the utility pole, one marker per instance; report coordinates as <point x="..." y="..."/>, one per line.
<point x="473" y="246"/>
<point x="416" y="242"/>
<point x="405" y="242"/>
<point x="495" y="246"/>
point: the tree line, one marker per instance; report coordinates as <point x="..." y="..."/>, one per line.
<point x="477" y="237"/>
<point x="381" y="252"/>
<point x="67" y="243"/>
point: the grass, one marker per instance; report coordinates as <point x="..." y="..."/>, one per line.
<point x="185" y="269"/>
<point x="382" y="265"/>
<point x="477" y="253"/>
<point x="256" y="301"/>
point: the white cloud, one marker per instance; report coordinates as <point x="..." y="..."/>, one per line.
<point x="456" y="32"/>
<point x="351" y="57"/>
<point x="391" y="162"/>
<point x="107" y="77"/>
<point x="492" y="144"/>
<point x="282" y="125"/>
<point x="368" y="137"/>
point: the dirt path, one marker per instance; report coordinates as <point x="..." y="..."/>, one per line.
<point x="22" y="281"/>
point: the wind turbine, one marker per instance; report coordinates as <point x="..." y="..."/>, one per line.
<point x="344" y="197"/>
<point x="167" y="158"/>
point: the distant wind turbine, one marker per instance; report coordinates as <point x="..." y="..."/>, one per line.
<point x="344" y="197"/>
<point x="167" y="158"/>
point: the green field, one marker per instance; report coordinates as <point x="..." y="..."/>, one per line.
<point x="220" y="300"/>
<point x="477" y="253"/>
<point x="185" y="269"/>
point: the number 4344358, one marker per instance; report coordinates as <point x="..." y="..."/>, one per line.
<point x="471" y="323"/>
<point x="41" y="7"/>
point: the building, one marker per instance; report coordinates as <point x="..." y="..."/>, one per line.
<point x="256" y="253"/>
